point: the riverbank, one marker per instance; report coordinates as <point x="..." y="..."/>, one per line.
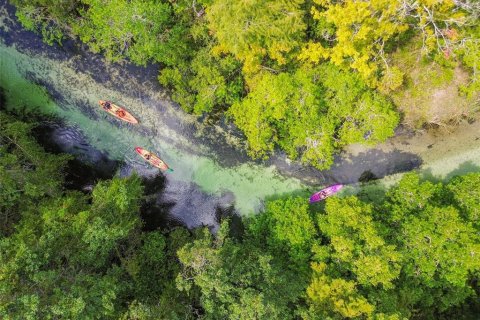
<point x="443" y="153"/>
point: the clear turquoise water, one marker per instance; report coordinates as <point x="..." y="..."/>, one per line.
<point x="76" y="95"/>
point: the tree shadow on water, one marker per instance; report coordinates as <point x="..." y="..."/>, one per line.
<point x="155" y="214"/>
<point x="370" y="165"/>
<point x="347" y="169"/>
<point x="464" y="168"/>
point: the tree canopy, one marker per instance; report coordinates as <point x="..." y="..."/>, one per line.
<point x="71" y="255"/>
<point x="312" y="113"/>
<point x="258" y="29"/>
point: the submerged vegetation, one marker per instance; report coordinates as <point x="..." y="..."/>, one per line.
<point x="308" y="77"/>
<point x="68" y="254"/>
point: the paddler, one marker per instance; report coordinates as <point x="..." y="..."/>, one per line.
<point x="120" y="113"/>
<point x="107" y="105"/>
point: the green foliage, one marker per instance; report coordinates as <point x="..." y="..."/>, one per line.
<point x="246" y="58"/>
<point x="291" y="224"/>
<point x="77" y="256"/>
<point x="412" y="257"/>
<point x="153" y="268"/>
<point x="334" y="298"/>
<point x="267" y="63"/>
<point x="469" y="54"/>
<point x="356" y="241"/>
<point x="238" y="280"/>
<point x="68" y="255"/>
<point x="311" y="114"/>
<point x="356" y="34"/>
<point x="83" y="256"/>
<point x="432" y="88"/>
<point x="466" y="196"/>
<point x="254" y="30"/>
<point x="113" y="216"/>
<point x="441" y="247"/>
<point x="27" y="173"/>
<point x="60" y="254"/>
<point x="361" y="30"/>
<point x="142" y="31"/>
<point x="29" y="265"/>
<point x="50" y="18"/>
<point x="208" y="84"/>
<point x="438" y="245"/>
<point x="410" y="196"/>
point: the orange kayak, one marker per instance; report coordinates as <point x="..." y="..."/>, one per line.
<point x="117" y="111"/>
<point x="153" y="159"/>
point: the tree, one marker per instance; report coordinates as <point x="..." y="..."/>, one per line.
<point x="77" y="256"/>
<point x="58" y="262"/>
<point x="334" y="298"/>
<point x="357" y="243"/>
<point x="466" y="196"/>
<point x="469" y="53"/>
<point x="291" y="225"/>
<point x="142" y="31"/>
<point x="410" y="196"/>
<point x="312" y="113"/>
<point x="51" y="18"/>
<point x="438" y="246"/>
<point x="286" y="229"/>
<point x="441" y="247"/>
<point x="208" y="84"/>
<point x="153" y="265"/>
<point x="27" y="173"/>
<point x="254" y="30"/>
<point x="357" y="34"/>
<point x="360" y="32"/>
<point x="57" y="248"/>
<point x="238" y="280"/>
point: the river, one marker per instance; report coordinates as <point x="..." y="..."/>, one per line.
<point x="211" y="170"/>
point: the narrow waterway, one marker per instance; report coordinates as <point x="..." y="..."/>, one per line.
<point x="212" y="171"/>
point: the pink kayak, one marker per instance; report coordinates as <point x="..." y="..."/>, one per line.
<point x="324" y="193"/>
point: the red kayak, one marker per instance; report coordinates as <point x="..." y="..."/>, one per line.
<point x="153" y="159"/>
<point x="117" y="111"/>
<point x="324" y="193"/>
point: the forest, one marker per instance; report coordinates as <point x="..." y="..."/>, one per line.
<point x="306" y="77"/>
<point x="78" y="254"/>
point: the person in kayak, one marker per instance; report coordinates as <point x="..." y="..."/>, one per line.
<point x="148" y="156"/>
<point x="120" y="113"/>
<point x="107" y="105"/>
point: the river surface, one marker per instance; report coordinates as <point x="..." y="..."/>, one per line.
<point x="211" y="170"/>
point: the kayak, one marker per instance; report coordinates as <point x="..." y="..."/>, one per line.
<point x="324" y="193"/>
<point x="153" y="159"/>
<point x="118" y="112"/>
